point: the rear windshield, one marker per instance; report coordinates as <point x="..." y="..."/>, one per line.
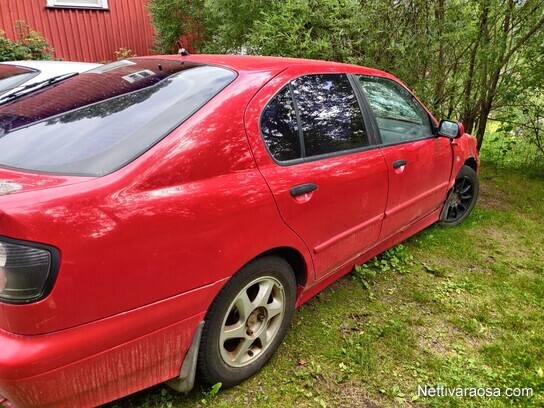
<point x="11" y="76"/>
<point x="99" y="121"/>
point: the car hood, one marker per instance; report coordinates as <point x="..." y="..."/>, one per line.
<point x="16" y="182"/>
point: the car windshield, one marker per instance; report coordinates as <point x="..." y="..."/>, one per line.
<point x="11" y="76"/>
<point x="99" y="121"/>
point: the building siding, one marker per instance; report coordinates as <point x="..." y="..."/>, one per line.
<point x="84" y="35"/>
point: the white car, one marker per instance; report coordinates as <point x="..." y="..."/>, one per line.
<point x="20" y="77"/>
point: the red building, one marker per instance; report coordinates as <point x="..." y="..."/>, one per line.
<point x="83" y="30"/>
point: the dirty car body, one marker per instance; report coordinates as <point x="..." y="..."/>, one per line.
<point x="145" y="201"/>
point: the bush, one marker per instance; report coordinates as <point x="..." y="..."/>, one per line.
<point x="324" y="29"/>
<point x="124" y="53"/>
<point x="29" y="45"/>
<point x="174" y="19"/>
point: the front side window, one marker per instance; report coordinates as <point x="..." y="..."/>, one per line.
<point x="330" y="115"/>
<point x="88" y="4"/>
<point x="96" y="122"/>
<point x="400" y="117"/>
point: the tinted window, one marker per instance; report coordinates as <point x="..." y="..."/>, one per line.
<point x="330" y="115"/>
<point x="279" y="127"/>
<point x="400" y="117"/>
<point x="99" y="121"/>
<point x="12" y="76"/>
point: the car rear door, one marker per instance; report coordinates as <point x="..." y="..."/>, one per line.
<point x="418" y="162"/>
<point x="328" y="178"/>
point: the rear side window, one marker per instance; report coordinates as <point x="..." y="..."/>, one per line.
<point x="99" y="121"/>
<point x="279" y="127"/>
<point x="329" y="118"/>
<point x="11" y="76"/>
<point x="330" y="115"/>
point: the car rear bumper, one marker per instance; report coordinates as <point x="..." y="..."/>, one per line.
<point x="104" y="360"/>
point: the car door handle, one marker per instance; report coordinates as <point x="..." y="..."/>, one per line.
<point x="303" y="189"/>
<point x="399" y="163"/>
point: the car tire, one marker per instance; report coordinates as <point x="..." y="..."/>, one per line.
<point x="461" y="199"/>
<point x="247" y="322"/>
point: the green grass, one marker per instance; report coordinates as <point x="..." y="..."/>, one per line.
<point x="461" y="307"/>
<point x="507" y="150"/>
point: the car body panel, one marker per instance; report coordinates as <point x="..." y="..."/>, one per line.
<point x="351" y="193"/>
<point x="419" y="186"/>
<point x="158" y="198"/>
<point x="364" y="256"/>
<point x="35" y="181"/>
<point x="29" y="356"/>
<point x="464" y="151"/>
<point x="102" y="377"/>
<point x="144" y="250"/>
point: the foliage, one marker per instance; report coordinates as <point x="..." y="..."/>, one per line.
<point x="124" y="53"/>
<point x="465" y="60"/>
<point x="324" y="29"/>
<point x="29" y="45"/>
<point x="227" y="23"/>
<point x="209" y="396"/>
<point x="364" y="274"/>
<point x="521" y="122"/>
<point x="173" y="19"/>
<point x="509" y="146"/>
<point x="397" y="258"/>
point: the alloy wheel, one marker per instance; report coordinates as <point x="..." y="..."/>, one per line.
<point x="460" y="199"/>
<point x="252" y="321"/>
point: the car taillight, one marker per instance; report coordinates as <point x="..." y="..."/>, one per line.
<point x="26" y="270"/>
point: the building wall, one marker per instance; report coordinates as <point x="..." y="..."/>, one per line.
<point x="84" y="35"/>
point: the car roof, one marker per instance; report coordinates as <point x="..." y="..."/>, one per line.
<point x="259" y="63"/>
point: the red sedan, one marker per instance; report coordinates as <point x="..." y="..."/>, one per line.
<point x="164" y="216"/>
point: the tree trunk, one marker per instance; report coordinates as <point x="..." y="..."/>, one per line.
<point x="439" y="70"/>
<point x="470" y="106"/>
<point x="482" y="124"/>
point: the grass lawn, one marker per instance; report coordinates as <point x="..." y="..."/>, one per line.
<point x="459" y="307"/>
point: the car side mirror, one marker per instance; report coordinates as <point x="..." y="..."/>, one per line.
<point x="450" y="129"/>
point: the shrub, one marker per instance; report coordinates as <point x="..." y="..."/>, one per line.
<point x="174" y="19"/>
<point x="29" y="45"/>
<point x="124" y="53"/>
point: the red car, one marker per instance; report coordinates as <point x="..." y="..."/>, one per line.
<point x="164" y="216"/>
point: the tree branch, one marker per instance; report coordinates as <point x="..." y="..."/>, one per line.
<point x="523" y="40"/>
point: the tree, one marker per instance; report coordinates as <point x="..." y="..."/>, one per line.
<point x="174" y="19"/>
<point x="460" y="57"/>
<point x="504" y="27"/>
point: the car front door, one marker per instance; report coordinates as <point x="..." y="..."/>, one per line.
<point x="327" y="177"/>
<point x="418" y="162"/>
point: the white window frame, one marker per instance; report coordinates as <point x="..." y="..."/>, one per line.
<point x="91" y="4"/>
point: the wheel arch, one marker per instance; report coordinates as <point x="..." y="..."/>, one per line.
<point x="294" y="258"/>
<point x="472" y="163"/>
<point x="212" y="364"/>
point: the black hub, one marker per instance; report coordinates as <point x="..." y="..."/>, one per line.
<point x="460" y="199"/>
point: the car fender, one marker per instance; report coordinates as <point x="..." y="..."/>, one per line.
<point x="464" y="151"/>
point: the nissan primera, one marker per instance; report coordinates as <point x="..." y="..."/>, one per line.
<point x="162" y="217"/>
